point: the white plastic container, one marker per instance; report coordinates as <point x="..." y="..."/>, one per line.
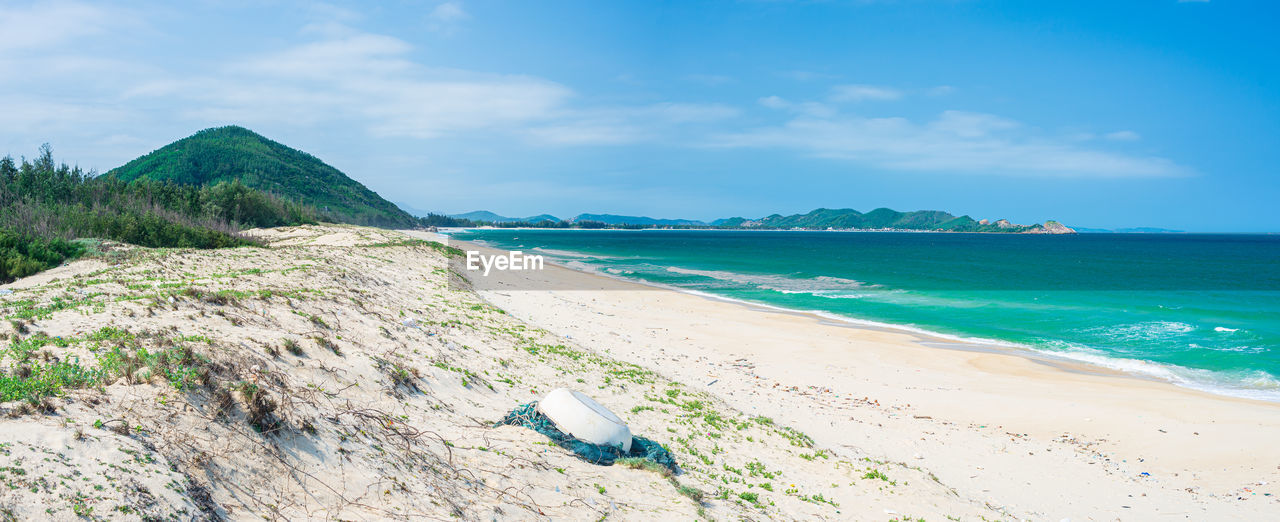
<point x="585" y="419"/>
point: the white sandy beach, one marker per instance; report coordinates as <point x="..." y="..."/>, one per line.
<point x="1042" y="441"/>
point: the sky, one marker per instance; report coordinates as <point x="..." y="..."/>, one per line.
<point x="1097" y="114"/>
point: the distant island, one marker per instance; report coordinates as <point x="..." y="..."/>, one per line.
<point x="888" y="219"/>
<point x="1132" y="230"/>
<point x="881" y="219"/>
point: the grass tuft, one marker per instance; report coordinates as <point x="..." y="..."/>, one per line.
<point x="293" y="347"/>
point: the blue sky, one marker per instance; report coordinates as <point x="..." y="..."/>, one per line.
<point x="1098" y="114"/>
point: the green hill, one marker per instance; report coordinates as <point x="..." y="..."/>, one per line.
<point x="223" y="154"/>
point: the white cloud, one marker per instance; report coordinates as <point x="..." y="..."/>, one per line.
<point x="326" y="12"/>
<point x="855" y="93"/>
<point x="774" y="102"/>
<point x="710" y="80"/>
<point x="367" y="79"/>
<point x="954" y="142"/>
<point x="52" y="116"/>
<point x="1124" y="135"/>
<point x="941" y="90"/>
<point x="587" y="131"/>
<point x="622" y="125"/>
<point x="332" y="59"/>
<point x="815" y="109"/>
<point x="691" y="112"/>
<point x="449" y="12"/>
<point x="820" y="110"/>
<point x="970" y="124"/>
<point x="444" y="18"/>
<point x="805" y="76"/>
<point x="341" y="77"/>
<point x="49" y="24"/>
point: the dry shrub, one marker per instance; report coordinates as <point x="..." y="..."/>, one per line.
<point x="260" y="407"/>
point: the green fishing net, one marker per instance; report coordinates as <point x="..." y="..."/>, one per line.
<point x="527" y="415"/>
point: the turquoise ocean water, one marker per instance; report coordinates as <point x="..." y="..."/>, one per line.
<point x="1198" y="310"/>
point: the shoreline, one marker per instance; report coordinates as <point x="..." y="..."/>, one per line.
<point x="1101" y="365"/>
<point x="1044" y="439"/>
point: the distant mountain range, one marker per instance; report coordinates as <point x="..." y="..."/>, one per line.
<point x="820" y="219"/>
<point x="1134" y="230"/>
<point x="236" y="153"/>
<point x="608" y="219"/>
<point x="889" y="219"/>
<point x="485" y="215"/>
<point x="612" y="219"/>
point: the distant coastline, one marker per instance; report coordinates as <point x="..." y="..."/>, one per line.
<point x="879" y="220"/>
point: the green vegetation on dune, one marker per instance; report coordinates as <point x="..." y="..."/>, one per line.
<point x="23" y="254"/>
<point x="227" y="154"/>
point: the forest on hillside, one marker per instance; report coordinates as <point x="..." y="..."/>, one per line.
<point x="45" y="208"/>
